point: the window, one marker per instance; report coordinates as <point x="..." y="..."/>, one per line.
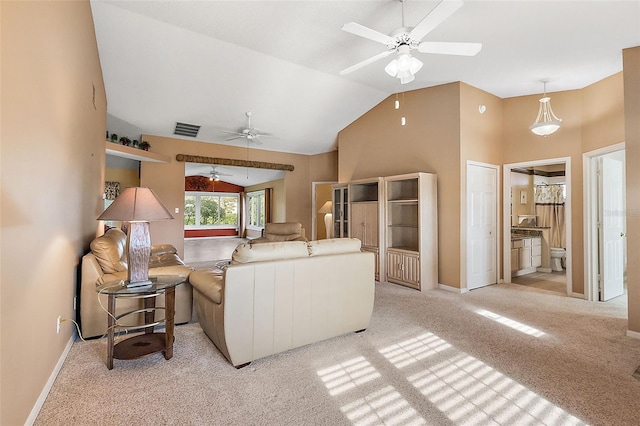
<point x="256" y="209"/>
<point x="210" y="210"/>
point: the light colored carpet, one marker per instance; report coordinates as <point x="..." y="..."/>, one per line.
<point x="498" y="355"/>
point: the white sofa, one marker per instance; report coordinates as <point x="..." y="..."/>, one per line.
<point x="278" y="296"/>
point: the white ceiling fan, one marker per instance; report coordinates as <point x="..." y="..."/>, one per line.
<point x="405" y="39"/>
<point x="249" y="133"/>
<point x="214" y="174"/>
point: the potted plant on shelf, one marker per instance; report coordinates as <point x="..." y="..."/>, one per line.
<point x="114" y="137"/>
<point x="125" y="141"/>
<point x="145" y="145"/>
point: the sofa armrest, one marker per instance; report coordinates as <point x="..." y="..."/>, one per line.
<point x="159" y="249"/>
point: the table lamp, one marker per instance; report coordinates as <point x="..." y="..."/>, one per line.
<point x="137" y="206"/>
<point x="328" y="217"/>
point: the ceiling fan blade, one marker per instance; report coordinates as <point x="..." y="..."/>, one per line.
<point x="230" y="132"/>
<point x="365" y="32"/>
<point x="442" y="11"/>
<point x="256" y="141"/>
<point x="450" y="48"/>
<point x="234" y="138"/>
<point x="366" y="62"/>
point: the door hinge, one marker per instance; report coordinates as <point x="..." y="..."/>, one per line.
<point x="600" y="283"/>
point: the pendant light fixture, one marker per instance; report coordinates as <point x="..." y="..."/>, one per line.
<point x="546" y="122"/>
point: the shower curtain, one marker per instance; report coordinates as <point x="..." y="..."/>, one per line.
<point x="549" y="202"/>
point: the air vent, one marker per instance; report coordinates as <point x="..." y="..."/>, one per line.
<point x="184" y="129"/>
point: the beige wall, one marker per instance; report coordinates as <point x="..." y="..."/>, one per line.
<point x="167" y="180"/>
<point x="378" y="145"/>
<point x="631" y="59"/>
<point x="52" y="168"/>
<point x="127" y="177"/>
<point x="278" y="198"/>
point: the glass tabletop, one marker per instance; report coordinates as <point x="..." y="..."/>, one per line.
<point x="158" y="283"/>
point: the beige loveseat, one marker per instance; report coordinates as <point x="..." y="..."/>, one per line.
<point x="107" y="262"/>
<point x="278" y="296"/>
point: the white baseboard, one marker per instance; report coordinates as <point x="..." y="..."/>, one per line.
<point x="633" y="334"/>
<point x="545" y="270"/>
<point x="578" y="295"/>
<point x="452" y="289"/>
<point x="47" y="387"/>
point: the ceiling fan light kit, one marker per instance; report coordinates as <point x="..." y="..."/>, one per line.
<point x="405" y="39"/>
<point x="546" y="122"/>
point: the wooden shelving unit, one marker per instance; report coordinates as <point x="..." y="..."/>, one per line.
<point x="411" y="234"/>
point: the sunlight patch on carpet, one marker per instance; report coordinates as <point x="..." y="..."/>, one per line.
<point x="523" y="328"/>
<point x="470" y="392"/>
<point x="384" y="406"/>
<point x="415" y="349"/>
<point x="347" y="375"/>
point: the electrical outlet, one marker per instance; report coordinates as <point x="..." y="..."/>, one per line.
<point x="58" y="322"/>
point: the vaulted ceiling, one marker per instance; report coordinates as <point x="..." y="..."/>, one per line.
<point x="209" y="62"/>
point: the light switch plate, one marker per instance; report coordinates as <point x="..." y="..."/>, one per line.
<point x="177" y="210"/>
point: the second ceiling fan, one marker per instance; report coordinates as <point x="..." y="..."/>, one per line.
<point x="405" y="39"/>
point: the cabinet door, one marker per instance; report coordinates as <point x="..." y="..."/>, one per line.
<point x="394" y="266"/>
<point x="371" y="225"/>
<point x="515" y="261"/>
<point x="358" y="221"/>
<point x="525" y="258"/>
<point x="411" y="268"/>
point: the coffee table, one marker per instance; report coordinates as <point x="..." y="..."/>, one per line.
<point x="150" y="342"/>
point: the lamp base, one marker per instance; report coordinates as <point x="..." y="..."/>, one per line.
<point x="138" y="252"/>
<point x="328" y="225"/>
<point x="138" y="284"/>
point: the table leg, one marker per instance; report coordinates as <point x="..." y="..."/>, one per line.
<point x="170" y="309"/>
<point x="150" y="314"/>
<point x="110" y="330"/>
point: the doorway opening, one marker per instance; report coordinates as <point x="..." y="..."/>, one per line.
<point x="537" y="224"/>
<point x="220" y="212"/>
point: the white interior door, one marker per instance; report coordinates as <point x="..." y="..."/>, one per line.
<point x="612" y="228"/>
<point x="481" y="226"/>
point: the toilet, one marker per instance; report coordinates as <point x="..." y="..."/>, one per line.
<point x="557" y="258"/>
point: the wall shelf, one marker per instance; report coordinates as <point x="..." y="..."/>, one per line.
<point x="119" y="150"/>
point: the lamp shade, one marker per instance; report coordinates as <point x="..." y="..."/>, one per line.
<point x="136" y="205"/>
<point x="326" y="207"/>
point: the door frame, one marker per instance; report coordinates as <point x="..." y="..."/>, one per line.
<point x="466" y="219"/>
<point x="590" y="209"/>
<point x="506" y="216"/>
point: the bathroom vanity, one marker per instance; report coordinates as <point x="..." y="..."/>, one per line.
<point x="530" y="250"/>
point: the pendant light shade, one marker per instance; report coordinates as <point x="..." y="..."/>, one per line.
<point x="546" y="122"/>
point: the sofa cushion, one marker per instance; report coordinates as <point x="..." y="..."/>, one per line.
<point x="334" y="246"/>
<point x="109" y="251"/>
<point x="248" y="253"/>
<point x="209" y="283"/>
